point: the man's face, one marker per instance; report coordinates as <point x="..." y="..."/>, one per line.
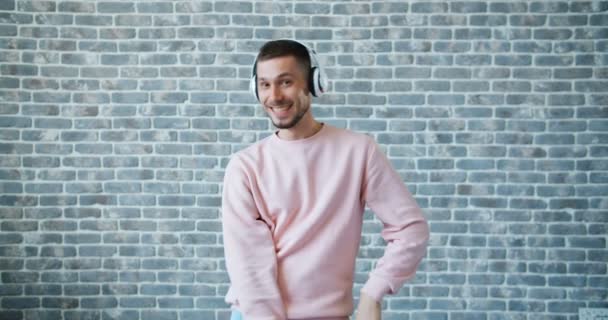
<point x="283" y="90"/>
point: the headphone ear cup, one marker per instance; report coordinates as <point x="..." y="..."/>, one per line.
<point x="317" y="82"/>
<point x="317" y="79"/>
<point x="322" y="81"/>
<point x="253" y="87"/>
<point x="312" y="81"/>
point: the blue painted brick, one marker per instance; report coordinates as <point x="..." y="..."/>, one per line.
<point x="499" y="134"/>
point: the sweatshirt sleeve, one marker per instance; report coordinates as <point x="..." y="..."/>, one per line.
<point x="405" y="229"/>
<point x="249" y="249"/>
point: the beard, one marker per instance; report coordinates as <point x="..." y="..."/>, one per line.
<point x="294" y="121"/>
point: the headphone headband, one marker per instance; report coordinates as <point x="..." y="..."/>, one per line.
<point x="317" y="81"/>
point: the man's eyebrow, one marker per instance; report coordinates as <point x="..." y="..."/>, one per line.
<point x="282" y="75"/>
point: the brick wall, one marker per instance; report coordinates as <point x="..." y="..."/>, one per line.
<point x="117" y="119"/>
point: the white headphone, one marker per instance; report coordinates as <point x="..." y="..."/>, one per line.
<point x="317" y="81"/>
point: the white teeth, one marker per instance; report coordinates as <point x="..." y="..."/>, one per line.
<point x="280" y="108"/>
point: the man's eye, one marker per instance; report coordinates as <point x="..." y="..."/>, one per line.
<point x="286" y="82"/>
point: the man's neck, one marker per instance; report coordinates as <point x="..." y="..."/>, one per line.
<point x="307" y="127"/>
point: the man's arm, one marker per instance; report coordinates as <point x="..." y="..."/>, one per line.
<point x="368" y="309"/>
<point x="249" y="249"/>
<point x="404" y="227"/>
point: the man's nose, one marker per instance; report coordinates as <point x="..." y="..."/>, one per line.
<point x="275" y="93"/>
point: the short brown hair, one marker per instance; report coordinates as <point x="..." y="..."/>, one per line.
<point x="283" y="48"/>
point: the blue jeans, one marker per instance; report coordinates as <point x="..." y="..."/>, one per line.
<point x="236" y="315"/>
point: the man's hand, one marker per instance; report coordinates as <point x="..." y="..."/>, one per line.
<point x="369" y="309"/>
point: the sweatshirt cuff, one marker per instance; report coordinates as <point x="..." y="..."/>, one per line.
<point x="376" y="288"/>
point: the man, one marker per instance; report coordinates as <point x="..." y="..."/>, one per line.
<point x="292" y="207"/>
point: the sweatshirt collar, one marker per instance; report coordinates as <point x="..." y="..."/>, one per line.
<point x="275" y="137"/>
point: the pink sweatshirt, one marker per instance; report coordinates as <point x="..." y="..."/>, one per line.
<point x="292" y="214"/>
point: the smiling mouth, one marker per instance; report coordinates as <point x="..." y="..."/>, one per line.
<point x="282" y="110"/>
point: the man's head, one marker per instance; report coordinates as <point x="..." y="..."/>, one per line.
<point x="283" y="80"/>
<point x="282" y="48"/>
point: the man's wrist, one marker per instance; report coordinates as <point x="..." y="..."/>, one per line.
<point x="368" y="300"/>
<point x="375" y="288"/>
